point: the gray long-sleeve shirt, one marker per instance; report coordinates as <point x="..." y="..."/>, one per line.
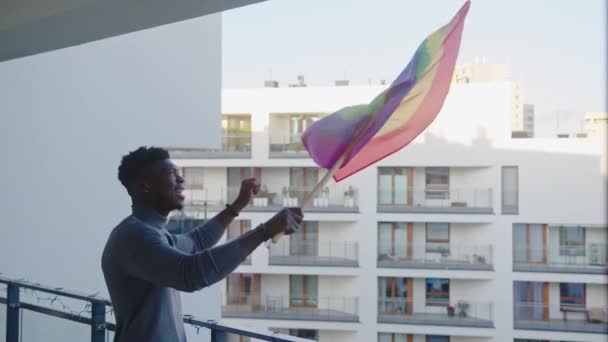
<point x="144" y="265"/>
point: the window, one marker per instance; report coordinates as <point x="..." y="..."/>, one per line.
<point x="303" y="290"/>
<point x="305" y="240"/>
<point x="395" y="337"/>
<point x="530" y="299"/>
<point x="437" y="338"/>
<point x="301" y="181"/>
<point x="394" y="295"/>
<point x="438" y="238"/>
<point x="572" y="294"/>
<point x="510" y="201"/>
<point x="183" y="224"/>
<point x="298" y="124"/>
<point x="237" y="338"/>
<point x="394" y="240"/>
<point x="242" y="288"/>
<point x="394" y="185"/>
<point x="236" y="176"/>
<point x="437" y="183"/>
<point x="571" y="241"/>
<point x="437" y="291"/>
<point x="236" y="130"/>
<point x="305" y="333"/>
<point x="236" y="229"/>
<point x="529" y="243"/>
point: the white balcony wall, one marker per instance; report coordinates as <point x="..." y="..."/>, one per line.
<point x="275" y="286"/>
<point x="68" y="118"/>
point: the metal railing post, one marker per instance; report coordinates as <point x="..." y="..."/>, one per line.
<point x="12" y="312"/>
<point x="218" y="336"/>
<point x="98" y="322"/>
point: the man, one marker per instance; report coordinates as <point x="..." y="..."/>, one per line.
<point x="144" y="265"/>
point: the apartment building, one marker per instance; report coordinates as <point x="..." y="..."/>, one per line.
<point x="465" y="235"/>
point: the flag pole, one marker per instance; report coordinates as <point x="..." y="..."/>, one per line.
<point x="317" y="189"/>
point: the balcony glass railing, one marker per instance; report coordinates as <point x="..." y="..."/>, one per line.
<point x="452" y="200"/>
<point x="272" y="198"/>
<point x="314" y="253"/>
<point x="541" y="316"/>
<point x="20" y="296"/>
<point x="459" y="313"/>
<point x="287" y="146"/>
<point x="450" y="257"/>
<point x="234" y="145"/>
<point x="339" y="309"/>
<point x="591" y="258"/>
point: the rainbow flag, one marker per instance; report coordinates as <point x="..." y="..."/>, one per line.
<point x="365" y="134"/>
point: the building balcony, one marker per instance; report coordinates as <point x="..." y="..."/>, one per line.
<point x="287" y="146"/>
<point x="441" y="201"/>
<point x="271" y="199"/>
<point x="460" y="314"/>
<point x="233" y="146"/>
<point x="459" y="257"/>
<point x="331" y="309"/>
<point x="314" y="253"/>
<point x="540" y="316"/>
<point x="589" y="259"/>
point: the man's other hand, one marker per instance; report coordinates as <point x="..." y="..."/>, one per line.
<point x="249" y="187"/>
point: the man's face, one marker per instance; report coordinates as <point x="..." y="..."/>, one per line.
<point x="165" y="186"/>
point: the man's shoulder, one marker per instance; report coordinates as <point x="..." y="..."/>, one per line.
<point x="133" y="228"/>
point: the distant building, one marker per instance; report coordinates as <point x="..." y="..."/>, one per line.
<point x="466" y="235"/>
<point x="596" y="124"/>
<point x="499" y="72"/>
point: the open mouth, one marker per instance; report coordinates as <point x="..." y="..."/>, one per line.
<point x="180" y="194"/>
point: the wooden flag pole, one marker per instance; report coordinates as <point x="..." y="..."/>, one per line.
<point x="315" y="191"/>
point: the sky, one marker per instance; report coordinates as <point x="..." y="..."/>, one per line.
<point x="556" y="48"/>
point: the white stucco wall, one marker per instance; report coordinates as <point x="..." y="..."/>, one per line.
<point x="68" y="118"/>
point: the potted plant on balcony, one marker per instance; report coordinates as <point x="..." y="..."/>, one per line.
<point x="322" y="200"/>
<point x="349" y="197"/>
<point x="451" y="310"/>
<point x="261" y="199"/>
<point x="463" y="308"/>
<point x="289" y="197"/>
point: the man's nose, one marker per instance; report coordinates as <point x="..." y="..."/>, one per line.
<point x="180" y="179"/>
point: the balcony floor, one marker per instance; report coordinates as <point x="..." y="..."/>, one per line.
<point x="436" y="319"/>
<point x="302" y="260"/>
<point x="301" y="314"/>
<point x="548" y="268"/>
<point x="561" y="325"/>
<point x="313" y="209"/>
<point x="438" y="265"/>
<point x="433" y="210"/>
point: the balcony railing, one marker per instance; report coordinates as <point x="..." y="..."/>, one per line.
<point x="461" y="313"/>
<point x="453" y="200"/>
<point x="314" y="253"/>
<point x="335" y="309"/>
<point x="287" y="146"/>
<point x="591" y="258"/>
<point x="269" y="199"/>
<point x="233" y="146"/>
<point x="94" y="313"/>
<point x="541" y="316"/>
<point x="464" y="257"/>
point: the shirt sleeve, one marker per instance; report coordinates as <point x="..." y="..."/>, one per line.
<point x="149" y="256"/>
<point x="202" y="237"/>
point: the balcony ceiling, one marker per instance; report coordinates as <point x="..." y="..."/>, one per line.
<point x="29" y="27"/>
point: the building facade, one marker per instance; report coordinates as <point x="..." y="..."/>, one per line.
<point x="465" y="235"/>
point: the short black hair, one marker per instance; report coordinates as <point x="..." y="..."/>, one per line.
<point x="136" y="161"/>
